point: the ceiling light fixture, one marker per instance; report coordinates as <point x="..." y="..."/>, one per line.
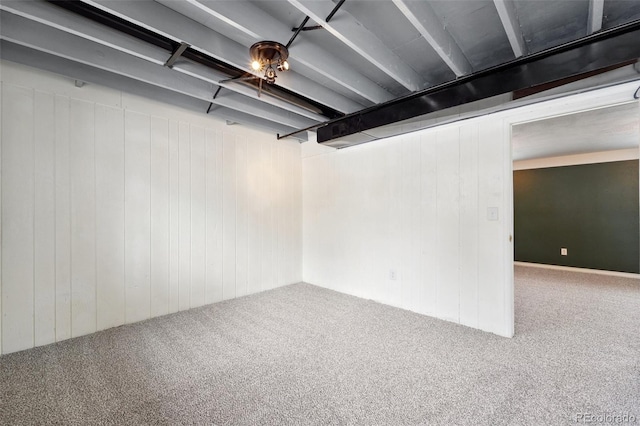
<point x="265" y="55"/>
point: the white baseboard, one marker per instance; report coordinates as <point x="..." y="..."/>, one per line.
<point x="583" y="270"/>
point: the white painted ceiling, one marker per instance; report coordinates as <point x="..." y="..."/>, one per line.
<point x="372" y="51"/>
<point x="605" y="129"/>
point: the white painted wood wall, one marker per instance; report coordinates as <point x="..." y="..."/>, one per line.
<point x="417" y="204"/>
<point x="116" y="209"/>
<point x="108" y="201"/>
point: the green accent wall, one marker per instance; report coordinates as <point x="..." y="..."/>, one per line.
<point x="590" y="209"/>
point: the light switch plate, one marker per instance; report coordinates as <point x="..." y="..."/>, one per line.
<point x="492" y="213"/>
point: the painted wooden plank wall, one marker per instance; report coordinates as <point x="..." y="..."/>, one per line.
<point x="415" y="207"/>
<point x="112" y="215"/>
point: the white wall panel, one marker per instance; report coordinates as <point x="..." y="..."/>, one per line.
<point x="110" y="184"/>
<point x="44" y="219"/>
<point x="469" y="225"/>
<point x="1" y="104"/>
<point x="376" y="223"/>
<point x="491" y="179"/>
<point x="137" y="228"/>
<point x="296" y="180"/>
<point x="448" y="216"/>
<point x="213" y="146"/>
<point x="174" y="216"/>
<point x="428" y="223"/>
<point x="254" y="213"/>
<point x="280" y="220"/>
<point x="409" y="215"/>
<point x="119" y="211"/>
<point x="83" y="217"/>
<point x="229" y="216"/>
<point x="184" y="216"/>
<point x="198" y="216"/>
<point x="241" y="216"/>
<point x="269" y="241"/>
<point x="63" y="220"/>
<point x="394" y="221"/>
<point x="411" y="271"/>
<point x="17" y="218"/>
<point x="160" y="289"/>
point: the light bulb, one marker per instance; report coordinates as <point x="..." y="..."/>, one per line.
<point x="270" y="75"/>
<point x="285" y="65"/>
<point x="256" y="65"/>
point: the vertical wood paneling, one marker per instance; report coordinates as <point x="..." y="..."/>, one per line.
<point x="290" y="178"/>
<point x="279" y="213"/>
<point x="469" y="217"/>
<point x="17" y="218"/>
<point x="44" y="219"/>
<point x="417" y="206"/>
<point x="506" y="325"/>
<point x="174" y="224"/>
<point x="83" y="217"/>
<point x="428" y="222"/>
<point x="448" y="234"/>
<point x="254" y="210"/>
<point x="229" y="216"/>
<point x="184" y="216"/>
<point x="241" y="217"/>
<point x="213" y="140"/>
<point x="160" y="291"/>
<point x="287" y="177"/>
<point x="137" y="216"/>
<point x="411" y="271"/>
<point x="394" y="170"/>
<point x="198" y="216"/>
<point x="1" y="104"/>
<point x="491" y="255"/>
<point x="297" y="217"/>
<point x="265" y="217"/>
<point x="351" y="165"/>
<point x="110" y="217"/>
<point x="376" y="221"/>
<point x="63" y="220"/>
<point x="268" y="249"/>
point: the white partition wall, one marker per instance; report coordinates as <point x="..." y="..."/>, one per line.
<point x="405" y="221"/>
<point x="116" y="209"/>
<point x="424" y="221"/>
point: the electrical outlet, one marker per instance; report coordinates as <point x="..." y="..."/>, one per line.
<point x="563" y="251"/>
<point x="393" y="275"/>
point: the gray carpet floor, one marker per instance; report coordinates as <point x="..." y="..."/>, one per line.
<point x="306" y="355"/>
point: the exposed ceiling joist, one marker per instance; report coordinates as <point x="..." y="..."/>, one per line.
<point x="47" y="39"/>
<point x="169" y="23"/>
<point x="213" y="77"/>
<point x="596" y="12"/>
<point x="362" y="41"/>
<point x="56" y="17"/>
<point x="221" y="16"/>
<point x="364" y="57"/>
<point x="429" y="26"/>
<point x="61" y="19"/>
<point x="507" y="12"/>
<point x="253" y="22"/>
<point x="81" y="72"/>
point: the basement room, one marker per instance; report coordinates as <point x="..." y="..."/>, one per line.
<point x="309" y="212"/>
